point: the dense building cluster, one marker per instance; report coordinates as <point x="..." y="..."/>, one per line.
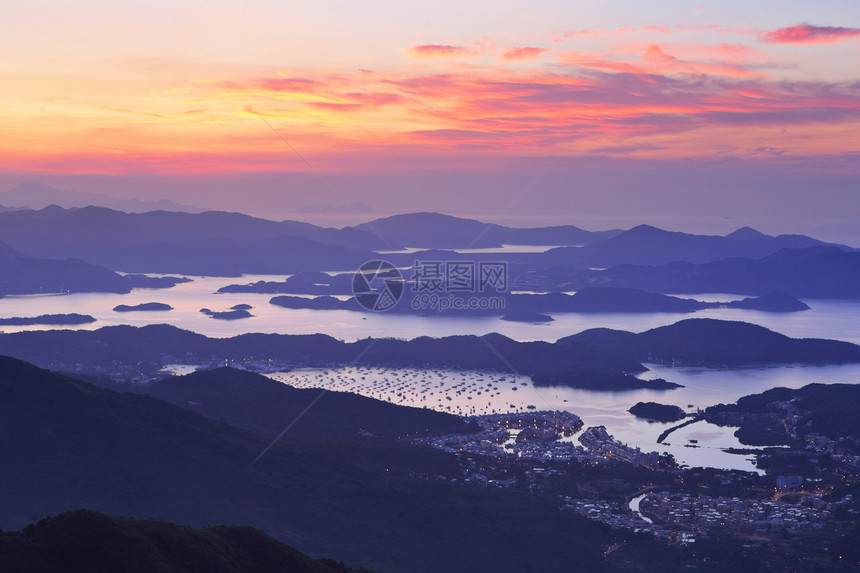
<point x="704" y="512"/>
<point x="540" y="436"/>
<point x="598" y="441"/>
<point x="683" y="517"/>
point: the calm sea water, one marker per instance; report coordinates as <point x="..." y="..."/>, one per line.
<point x="702" y="387"/>
<point x="475" y="393"/>
<point x="826" y="319"/>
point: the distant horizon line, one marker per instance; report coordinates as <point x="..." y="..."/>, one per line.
<point x="697" y="225"/>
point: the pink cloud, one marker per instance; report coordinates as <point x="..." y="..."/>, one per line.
<point x="808" y="34"/>
<point x="526" y="53"/>
<point x="438" y="51"/>
<point x="655" y="61"/>
<point x="559" y="38"/>
<point x="654" y="55"/>
<point x="666" y="100"/>
<point x="734" y="51"/>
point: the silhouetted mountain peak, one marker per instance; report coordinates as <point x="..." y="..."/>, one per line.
<point x="649" y="231"/>
<point x="644" y="235"/>
<point x="426" y="217"/>
<point x="495" y="338"/>
<point x="745" y="234"/>
<point x="644" y="228"/>
<point x="596" y="335"/>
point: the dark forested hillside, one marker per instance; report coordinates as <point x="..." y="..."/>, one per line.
<point x="261" y="404"/>
<point x="89" y="542"/>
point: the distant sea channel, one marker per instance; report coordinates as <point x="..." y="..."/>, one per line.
<point x="702" y="387"/>
<point x="836" y="319"/>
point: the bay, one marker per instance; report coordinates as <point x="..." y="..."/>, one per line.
<point x="470" y="393"/>
<point x="836" y="319"/>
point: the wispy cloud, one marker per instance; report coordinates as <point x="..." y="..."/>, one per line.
<point x="560" y="37"/>
<point x="654" y="93"/>
<point x="439" y="51"/>
<point x="526" y="53"/>
<point x="656" y="56"/>
<point x="654" y="60"/>
<point x="809" y="34"/>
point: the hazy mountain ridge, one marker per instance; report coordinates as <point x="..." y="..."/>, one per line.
<point x="438" y="231"/>
<point x="813" y="272"/>
<point x="650" y="246"/>
<point x="35" y="195"/>
<point x="229" y="244"/>
<point x="228" y="257"/>
<point x="124" y="240"/>
<point x="709" y="342"/>
<point x="817" y="272"/>
<point x="20" y="274"/>
<point x="148" y="348"/>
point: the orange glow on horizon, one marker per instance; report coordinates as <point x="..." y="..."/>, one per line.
<point x="659" y="100"/>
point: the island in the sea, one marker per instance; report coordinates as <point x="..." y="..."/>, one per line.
<point x="142" y="306"/>
<point x="511" y="305"/>
<point x="653" y="411"/>
<point x="48" y="319"/>
<point x="235" y="313"/>
<point x="533" y="317"/>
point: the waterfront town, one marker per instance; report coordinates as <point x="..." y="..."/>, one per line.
<point x="551" y="450"/>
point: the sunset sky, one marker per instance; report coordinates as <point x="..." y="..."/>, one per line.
<point x="554" y="109"/>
